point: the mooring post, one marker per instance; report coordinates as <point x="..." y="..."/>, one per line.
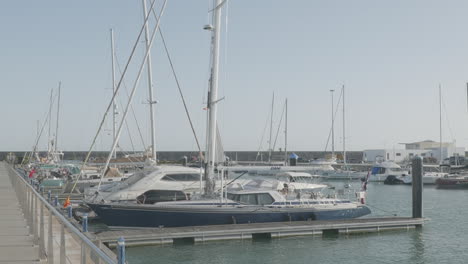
<point x="121" y="250"/>
<point x="85" y="222"/>
<point x="417" y="173"/>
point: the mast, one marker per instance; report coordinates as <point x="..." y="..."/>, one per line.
<point x="344" y="134"/>
<point x="333" y="124"/>
<point x="34" y="152"/>
<point x="49" y="135"/>
<point x="114" y="107"/>
<point x="57" y="121"/>
<point x="286" y="133"/>
<point x="440" y="122"/>
<point x="213" y="99"/>
<point x="150" y="88"/>
<point x="271" y="128"/>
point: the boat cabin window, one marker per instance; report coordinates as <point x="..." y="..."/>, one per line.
<point x="155" y="196"/>
<point x="248" y="198"/>
<point x="182" y="177"/>
<point x="302" y="179"/>
<point x="252" y="198"/>
<point x="378" y="170"/>
<point x="264" y="198"/>
<point x="130" y="181"/>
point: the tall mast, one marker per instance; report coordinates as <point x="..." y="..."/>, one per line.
<point x="114" y="107"/>
<point x="57" y="120"/>
<point x="271" y="127"/>
<point x="150" y="87"/>
<point x="49" y="135"/>
<point x="213" y="99"/>
<point x="344" y="134"/>
<point x="286" y="133"/>
<point x="34" y="153"/>
<point x="333" y="123"/>
<point x="440" y="122"/>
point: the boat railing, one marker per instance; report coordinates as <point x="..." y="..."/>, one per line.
<point x="56" y="236"/>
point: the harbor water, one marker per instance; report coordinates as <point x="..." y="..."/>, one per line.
<point x="443" y="239"/>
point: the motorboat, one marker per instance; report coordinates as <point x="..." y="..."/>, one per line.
<point x="174" y="178"/>
<point x="427" y="178"/>
<point x="382" y="170"/>
<point x="453" y="181"/>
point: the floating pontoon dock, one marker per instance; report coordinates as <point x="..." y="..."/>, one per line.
<point x="156" y="236"/>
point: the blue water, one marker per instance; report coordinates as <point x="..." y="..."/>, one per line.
<point x="443" y="239"/>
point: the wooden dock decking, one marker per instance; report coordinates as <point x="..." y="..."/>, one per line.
<point x="16" y="243"/>
<point x="156" y="236"/>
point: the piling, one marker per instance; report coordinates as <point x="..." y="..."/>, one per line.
<point x="417" y="172"/>
<point x="121" y="250"/>
<point x="85" y="223"/>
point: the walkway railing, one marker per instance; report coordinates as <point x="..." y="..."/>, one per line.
<point x="59" y="240"/>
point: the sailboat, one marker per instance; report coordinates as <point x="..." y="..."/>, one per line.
<point x="218" y="205"/>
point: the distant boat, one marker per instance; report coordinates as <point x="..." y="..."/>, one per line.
<point x="427" y="178"/>
<point x="380" y="171"/>
<point x="459" y="182"/>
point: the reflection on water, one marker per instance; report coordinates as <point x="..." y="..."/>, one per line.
<point x="417" y="248"/>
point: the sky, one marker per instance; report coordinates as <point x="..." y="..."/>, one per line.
<point x="391" y="56"/>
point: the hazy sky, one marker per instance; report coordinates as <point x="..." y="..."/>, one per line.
<point x="390" y="55"/>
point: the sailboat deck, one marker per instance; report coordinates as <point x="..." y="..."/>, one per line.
<point x="155" y="236"/>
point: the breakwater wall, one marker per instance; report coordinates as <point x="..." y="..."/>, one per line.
<point x="174" y="156"/>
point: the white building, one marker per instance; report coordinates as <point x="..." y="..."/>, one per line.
<point x="425" y="149"/>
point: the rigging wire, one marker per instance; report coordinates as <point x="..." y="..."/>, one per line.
<point x="38" y="137"/>
<point x="135" y="85"/>
<point x="131" y="108"/>
<point x="113" y="96"/>
<point x="447" y="118"/>
<point x="128" y="132"/>
<point x="279" y="126"/>
<point x="263" y="136"/>
<point x="334" y="114"/>
<point x="179" y="89"/>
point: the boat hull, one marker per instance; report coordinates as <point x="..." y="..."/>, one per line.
<point x="132" y="216"/>
<point x="452" y="183"/>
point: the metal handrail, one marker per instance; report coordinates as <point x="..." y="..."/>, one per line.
<point x="103" y="256"/>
